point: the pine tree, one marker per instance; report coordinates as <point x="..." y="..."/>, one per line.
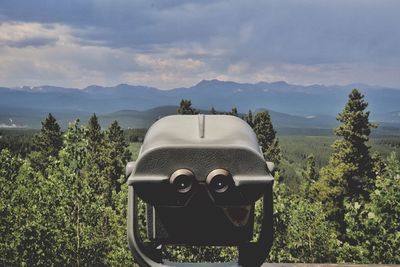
<point x="266" y="136"/>
<point x="94" y="136"/>
<point x="213" y="111"/>
<point x="185" y="108"/>
<point x="355" y="130"/>
<point x="310" y="173"/>
<point x="234" y="112"/>
<point x="249" y="119"/>
<point x="118" y="154"/>
<point x="349" y="173"/>
<point x="269" y="144"/>
<point x="49" y="140"/>
<point x="310" y="176"/>
<point x="47" y="143"/>
<point x="97" y="158"/>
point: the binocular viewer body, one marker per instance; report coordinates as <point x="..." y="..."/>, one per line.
<point x="200" y="176"/>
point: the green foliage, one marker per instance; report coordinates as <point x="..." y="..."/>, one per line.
<point x="302" y="232"/>
<point x="384" y="213"/>
<point x="373" y="227"/>
<point x="310" y="236"/>
<point x="95" y="139"/>
<point x="9" y="170"/>
<point x="309" y="173"/>
<point x="58" y="217"/>
<point x="47" y="143"/>
<point x="349" y="173"/>
<point x="310" y="176"/>
<point x="72" y="210"/>
<point x="185" y="108"/>
<point x="49" y="140"/>
<point x="234" y="112"/>
<point x="266" y="136"/>
<point x="119" y="254"/>
<point x="118" y="155"/>
<point x="134" y="135"/>
<point x="355" y="130"/>
<point x="296" y="149"/>
<point x="201" y="254"/>
<point x="249" y="119"/>
<point x="17" y="141"/>
<point x="97" y="155"/>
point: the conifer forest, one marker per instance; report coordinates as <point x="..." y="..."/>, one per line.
<point x="63" y="195"/>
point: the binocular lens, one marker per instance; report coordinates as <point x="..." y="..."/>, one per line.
<point x="182" y="180"/>
<point x="219" y="180"/>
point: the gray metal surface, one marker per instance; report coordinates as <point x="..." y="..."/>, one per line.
<point x="201" y="143"/>
<point x="200" y="175"/>
<point x="199" y="130"/>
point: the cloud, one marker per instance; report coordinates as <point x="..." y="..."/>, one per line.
<point x="33" y="41"/>
<point x="3" y="125"/>
<point x="176" y="43"/>
<point x="22" y="35"/>
<point x="69" y="63"/>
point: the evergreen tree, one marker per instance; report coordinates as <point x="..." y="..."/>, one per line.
<point x="118" y="154"/>
<point x="49" y="140"/>
<point x="310" y="176"/>
<point x="59" y="219"/>
<point x="87" y="220"/>
<point x="249" y="119"/>
<point x="266" y="136"/>
<point x="234" y="112"/>
<point x="185" y="108"/>
<point x="310" y="173"/>
<point x="349" y="173"/>
<point x="379" y="165"/>
<point x="47" y="143"/>
<point x="213" y="111"/>
<point x="97" y="159"/>
<point x="355" y="130"/>
<point x="95" y="137"/>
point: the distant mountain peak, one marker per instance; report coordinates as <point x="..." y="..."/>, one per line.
<point x="207" y="82"/>
<point x="279" y="83"/>
<point x="213" y="82"/>
<point x="279" y="96"/>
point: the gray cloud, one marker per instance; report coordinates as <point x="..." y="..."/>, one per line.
<point x="292" y="31"/>
<point x="224" y="34"/>
<point x="36" y="41"/>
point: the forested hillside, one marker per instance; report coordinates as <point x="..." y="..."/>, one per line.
<point x="63" y="195"/>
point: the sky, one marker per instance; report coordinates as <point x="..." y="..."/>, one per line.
<point x="171" y="43"/>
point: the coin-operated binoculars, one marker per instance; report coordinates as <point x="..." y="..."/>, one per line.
<point x="200" y="176"/>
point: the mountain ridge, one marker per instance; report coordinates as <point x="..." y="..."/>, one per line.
<point x="299" y="100"/>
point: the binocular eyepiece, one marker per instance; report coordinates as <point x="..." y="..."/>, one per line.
<point x="218" y="180"/>
<point x="200" y="176"/>
<point x="182" y="180"/>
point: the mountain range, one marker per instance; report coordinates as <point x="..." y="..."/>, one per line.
<point x="291" y="106"/>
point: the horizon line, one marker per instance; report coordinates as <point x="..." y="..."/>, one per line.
<point x="195" y="84"/>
